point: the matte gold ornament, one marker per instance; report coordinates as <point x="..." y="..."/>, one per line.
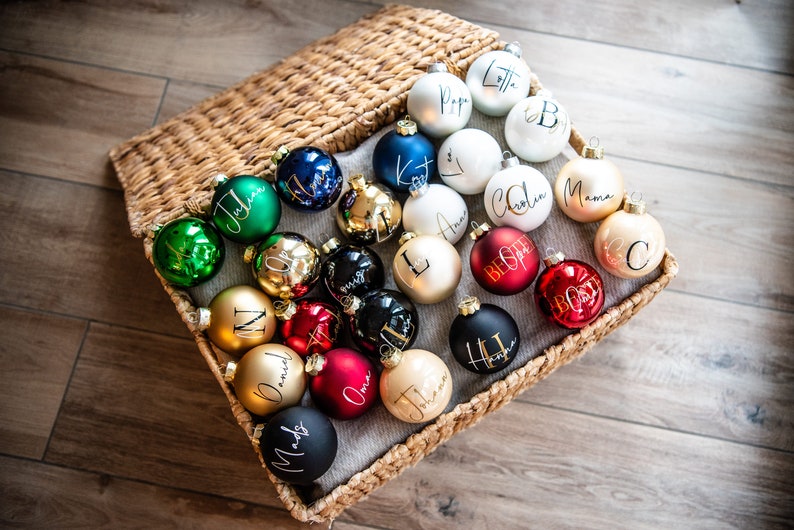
<point x="426" y="268"/>
<point x="285" y="265"/>
<point x="415" y="385"/>
<point x="238" y="319"/>
<point x="368" y="213"/>
<point x="268" y="378"/>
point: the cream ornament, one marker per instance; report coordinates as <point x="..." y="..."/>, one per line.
<point x="498" y="80"/>
<point x="537" y="128"/>
<point x="468" y="159"/>
<point x="519" y="196"/>
<point x="439" y="102"/>
<point x="436" y="210"/>
<point x="415" y="385"/>
<point x="427" y="269"/>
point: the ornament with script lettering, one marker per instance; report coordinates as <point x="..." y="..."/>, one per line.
<point x="368" y="213"/>
<point x="498" y="80"/>
<point x="426" y="268"/>
<point x="436" y="210"/>
<point x="537" y="128"/>
<point x="309" y="326"/>
<point x="245" y="208"/>
<point x="350" y="270"/>
<point x="468" y="159"/>
<point x="268" y="378"/>
<point x="439" y="102"/>
<point x="568" y="292"/>
<point x="299" y="445"/>
<point x="630" y="243"/>
<point x="285" y="265"/>
<point x="238" y="318"/>
<point x="519" y="196"/>
<point x="589" y="188"/>
<point x="503" y="260"/>
<point x="308" y="178"/>
<point x="483" y="338"/>
<point x="188" y="251"/>
<point x="404" y="157"/>
<point x="343" y="383"/>
<point x="381" y="320"/>
<point x="415" y="385"/>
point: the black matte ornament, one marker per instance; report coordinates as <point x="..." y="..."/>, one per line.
<point x="350" y="270"/>
<point x="382" y="320"/>
<point x="483" y="338"/>
<point x="299" y="445"/>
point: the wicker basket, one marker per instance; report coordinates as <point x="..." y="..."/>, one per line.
<point x="342" y="90"/>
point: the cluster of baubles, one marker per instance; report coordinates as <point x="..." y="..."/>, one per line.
<point x="289" y="341"/>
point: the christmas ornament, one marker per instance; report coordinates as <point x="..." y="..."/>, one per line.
<point x="503" y="260"/>
<point x="309" y="326"/>
<point x="537" y="128"/>
<point x="468" y="159"/>
<point x="285" y="265"/>
<point x="436" y="210"/>
<point x="188" y="251"/>
<point x="308" y="178"/>
<point x="343" y="383"/>
<point x="415" y="385"/>
<point x="518" y="196"/>
<point x="439" y="102"/>
<point x="404" y="157"/>
<point x="426" y="268"/>
<point x="630" y="243"/>
<point x="568" y="292"/>
<point x="498" y="80"/>
<point x="238" y="318"/>
<point x="483" y="338"/>
<point x="590" y="187"/>
<point x="381" y="320"/>
<point x="245" y="208"/>
<point x="299" y="445"/>
<point x="350" y="270"/>
<point x="268" y="378"/>
<point x="368" y="213"/>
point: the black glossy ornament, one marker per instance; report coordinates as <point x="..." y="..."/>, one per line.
<point x="382" y="320"/>
<point x="308" y="178"/>
<point x="350" y="270"/>
<point x="483" y="338"/>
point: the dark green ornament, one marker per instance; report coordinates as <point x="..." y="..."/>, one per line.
<point x="188" y="251"/>
<point x="245" y="208"/>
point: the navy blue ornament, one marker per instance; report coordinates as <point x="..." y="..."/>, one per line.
<point x="350" y="270"/>
<point x="404" y="157"/>
<point x="308" y="178"/>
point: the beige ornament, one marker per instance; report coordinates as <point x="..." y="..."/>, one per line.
<point x="427" y="269"/>
<point x="590" y="187"/>
<point x="415" y="385"/>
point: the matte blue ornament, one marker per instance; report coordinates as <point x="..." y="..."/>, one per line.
<point x="404" y="157"/>
<point x="308" y="178"/>
<point x="188" y="251"/>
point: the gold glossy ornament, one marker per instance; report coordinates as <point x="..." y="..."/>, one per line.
<point x="590" y="187"/>
<point x="415" y="385"/>
<point x="427" y="268"/>
<point x="268" y="378"/>
<point x="238" y="319"/>
<point x="368" y="213"/>
<point x="285" y="265"/>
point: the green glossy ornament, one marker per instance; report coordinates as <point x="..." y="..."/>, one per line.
<point x="245" y="208"/>
<point x="188" y="251"/>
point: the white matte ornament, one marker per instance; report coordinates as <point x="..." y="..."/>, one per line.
<point x="498" y="80"/>
<point x="439" y="102"/>
<point x="468" y="159"/>
<point x="519" y="196"/>
<point x="436" y="210"/>
<point x="589" y="188"/>
<point x="537" y="128"/>
<point x="427" y="269"/>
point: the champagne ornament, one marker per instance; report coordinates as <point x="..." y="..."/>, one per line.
<point x="590" y="187"/>
<point x="568" y="292"/>
<point x="367" y="213"/>
<point x="382" y="320"/>
<point x="188" y="251"/>
<point x="343" y="383"/>
<point x="498" y="80"/>
<point x="415" y="385"/>
<point x="537" y="128"/>
<point x="483" y="338"/>
<point x="245" y="208"/>
<point x="519" y="196"/>
<point x="503" y="260"/>
<point x="468" y="159"/>
<point x="426" y="268"/>
<point x="268" y="378"/>
<point x="404" y="157"/>
<point x="308" y="178"/>
<point x="630" y="243"/>
<point x="439" y="102"/>
<point x="309" y="326"/>
<point x="285" y="265"/>
<point x="350" y="270"/>
<point x="436" y="210"/>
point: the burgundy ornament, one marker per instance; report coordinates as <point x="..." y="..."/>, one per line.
<point x="504" y="260"/>
<point x="569" y="293"/>
<point x="309" y="326"/>
<point x="343" y="383"/>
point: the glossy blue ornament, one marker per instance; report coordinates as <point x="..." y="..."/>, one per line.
<point x="404" y="157"/>
<point x="308" y="178"/>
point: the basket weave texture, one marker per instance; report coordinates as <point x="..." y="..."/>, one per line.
<point x="342" y="89"/>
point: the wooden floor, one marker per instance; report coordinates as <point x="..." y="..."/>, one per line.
<point x="682" y="419"/>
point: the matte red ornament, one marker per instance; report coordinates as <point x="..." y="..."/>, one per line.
<point x="343" y="383"/>
<point x="504" y="260"/>
<point x="309" y="326"/>
<point x="569" y="293"/>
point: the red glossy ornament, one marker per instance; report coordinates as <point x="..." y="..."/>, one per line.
<point x="343" y="383"/>
<point x="309" y="326"/>
<point x="504" y="260"/>
<point x="569" y="293"/>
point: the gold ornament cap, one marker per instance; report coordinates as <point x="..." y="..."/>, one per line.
<point x="219" y="179"/>
<point x="509" y="160"/>
<point x="513" y="48"/>
<point x="392" y="358"/>
<point x="437" y="67"/>
<point x="407" y="236"/>
<point x="417" y="189"/>
<point x="479" y="230"/>
<point x="358" y="182"/>
<point x="634" y="206"/>
<point x="406" y="127"/>
<point x="249" y="254"/>
<point x="228" y="373"/>
<point x="279" y="155"/>
<point x="285" y="309"/>
<point x="596" y="152"/>
<point x="315" y="364"/>
<point x="331" y="245"/>
<point x="553" y="259"/>
<point x="203" y="318"/>
<point x="350" y="304"/>
<point x="469" y="305"/>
